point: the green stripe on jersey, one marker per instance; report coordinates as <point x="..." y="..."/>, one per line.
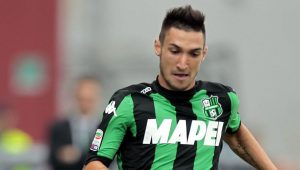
<point x="204" y="154"/>
<point x="234" y="119"/>
<point x="165" y="154"/>
<point x="120" y="163"/>
<point x="118" y="126"/>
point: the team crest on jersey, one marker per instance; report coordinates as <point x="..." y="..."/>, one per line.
<point x="97" y="140"/>
<point x="211" y="107"/>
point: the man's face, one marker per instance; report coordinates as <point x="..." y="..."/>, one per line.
<point x="87" y="96"/>
<point x="181" y="54"/>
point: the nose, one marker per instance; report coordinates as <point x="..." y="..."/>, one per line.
<point x="182" y="62"/>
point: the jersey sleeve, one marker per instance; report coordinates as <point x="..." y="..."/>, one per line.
<point x="117" y="119"/>
<point x="234" y="121"/>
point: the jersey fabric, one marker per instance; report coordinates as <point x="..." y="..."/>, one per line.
<point x="151" y="128"/>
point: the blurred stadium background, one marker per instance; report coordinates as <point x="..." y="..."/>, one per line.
<point x="45" y="45"/>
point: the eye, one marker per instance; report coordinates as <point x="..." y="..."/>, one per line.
<point x="174" y="50"/>
<point x="195" y="54"/>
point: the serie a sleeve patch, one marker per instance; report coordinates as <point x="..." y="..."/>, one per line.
<point x="97" y="140"/>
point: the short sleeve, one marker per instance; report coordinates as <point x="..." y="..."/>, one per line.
<point x="234" y="121"/>
<point x="117" y="118"/>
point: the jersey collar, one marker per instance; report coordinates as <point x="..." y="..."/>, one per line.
<point x="176" y="95"/>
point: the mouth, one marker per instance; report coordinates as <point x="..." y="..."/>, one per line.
<point x="181" y="76"/>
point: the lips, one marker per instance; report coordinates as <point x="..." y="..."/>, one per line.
<point x="180" y="76"/>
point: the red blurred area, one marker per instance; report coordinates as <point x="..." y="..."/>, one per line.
<point x="29" y="27"/>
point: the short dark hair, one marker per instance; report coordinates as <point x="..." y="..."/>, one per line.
<point x="184" y="17"/>
<point x="89" y="78"/>
<point x="86" y="78"/>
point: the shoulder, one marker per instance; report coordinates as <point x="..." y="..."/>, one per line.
<point x="122" y="99"/>
<point x="135" y="89"/>
<point x="132" y="89"/>
<point x="215" y="87"/>
<point x="222" y="90"/>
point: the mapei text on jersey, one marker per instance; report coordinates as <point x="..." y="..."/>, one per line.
<point x="209" y="132"/>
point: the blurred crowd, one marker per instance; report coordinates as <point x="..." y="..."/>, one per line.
<point x="69" y="136"/>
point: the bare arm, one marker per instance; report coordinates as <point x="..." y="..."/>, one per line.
<point x="245" y="146"/>
<point x="95" y="165"/>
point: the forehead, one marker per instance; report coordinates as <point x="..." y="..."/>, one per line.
<point x="184" y="39"/>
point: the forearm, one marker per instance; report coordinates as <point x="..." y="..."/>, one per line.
<point x="95" y="165"/>
<point x="245" y="146"/>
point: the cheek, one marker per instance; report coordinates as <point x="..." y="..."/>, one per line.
<point x="166" y="61"/>
<point x="163" y="65"/>
<point x="196" y="66"/>
<point x="170" y="59"/>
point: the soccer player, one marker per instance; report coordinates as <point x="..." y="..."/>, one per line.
<point x="175" y="122"/>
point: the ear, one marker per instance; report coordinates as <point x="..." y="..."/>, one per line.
<point x="205" y="50"/>
<point x="157" y="47"/>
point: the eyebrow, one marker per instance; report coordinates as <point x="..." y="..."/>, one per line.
<point x="196" y="49"/>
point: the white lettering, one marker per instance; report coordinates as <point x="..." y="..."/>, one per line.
<point x="179" y="134"/>
<point x="220" y="127"/>
<point x="211" y="132"/>
<point x="160" y="134"/>
<point x="197" y="131"/>
<point x="146" y="90"/>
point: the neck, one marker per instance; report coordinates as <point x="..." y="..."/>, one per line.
<point x="176" y="95"/>
<point x="165" y="84"/>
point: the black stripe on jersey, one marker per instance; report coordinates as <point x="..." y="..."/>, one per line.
<point x="118" y="97"/>
<point x="136" y="155"/>
<point x="186" y="154"/>
<point x="214" y="89"/>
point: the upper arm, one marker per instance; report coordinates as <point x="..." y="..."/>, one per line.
<point x="240" y="137"/>
<point x="117" y="119"/>
<point x="116" y="128"/>
<point x="232" y="139"/>
<point x="241" y="140"/>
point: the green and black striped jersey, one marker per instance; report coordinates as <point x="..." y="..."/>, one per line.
<point x="150" y="127"/>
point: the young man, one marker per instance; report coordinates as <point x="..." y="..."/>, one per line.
<point x="175" y="122"/>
